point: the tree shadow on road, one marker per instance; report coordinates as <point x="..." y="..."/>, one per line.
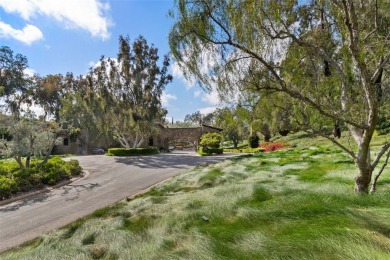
<point x="26" y="202"/>
<point x="78" y="187"/>
<point x="177" y="160"/>
<point x="45" y="195"/>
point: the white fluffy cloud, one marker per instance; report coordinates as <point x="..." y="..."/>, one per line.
<point x="29" y="72"/>
<point x="166" y="97"/>
<point x="89" y="15"/>
<point x="211" y="97"/>
<point x="207" y="110"/>
<point x="27" y="35"/>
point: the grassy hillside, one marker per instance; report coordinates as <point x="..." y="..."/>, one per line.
<point x="288" y="204"/>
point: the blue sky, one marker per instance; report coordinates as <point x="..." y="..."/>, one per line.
<point x="59" y="36"/>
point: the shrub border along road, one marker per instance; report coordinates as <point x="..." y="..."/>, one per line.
<point x="14" y="180"/>
<point x="29" y="194"/>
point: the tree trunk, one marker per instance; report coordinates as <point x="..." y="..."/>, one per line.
<point x="138" y="140"/>
<point x="28" y="159"/>
<point x="362" y="180"/>
<point x="363" y="163"/>
<point x="18" y="159"/>
<point x="47" y="156"/>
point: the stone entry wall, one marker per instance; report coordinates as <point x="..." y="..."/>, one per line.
<point x="192" y="134"/>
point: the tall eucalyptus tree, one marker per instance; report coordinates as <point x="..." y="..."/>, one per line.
<point x="125" y="93"/>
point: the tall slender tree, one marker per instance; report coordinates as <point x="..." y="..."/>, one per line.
<point x="123" y="95"/>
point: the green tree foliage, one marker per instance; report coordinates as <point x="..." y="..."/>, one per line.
<point x="80" y="112"/>
<point x="233" y="126"/>
<point x="29" y="137"/>
<point x="14" y="84"/>
<point x="329" y="57"/>
<point x="198" y="118"/>
<point x="256" y="117"/>
<point x="194" y="118"/>
<point x="22" y="136"/>
<point x="122" y="97"/>
<point x="47" y="93"/>
<point x="211" y="140"/>
<point x="180" y="124"/>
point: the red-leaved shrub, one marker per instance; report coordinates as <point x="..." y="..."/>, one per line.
<point x="272" y="146"/>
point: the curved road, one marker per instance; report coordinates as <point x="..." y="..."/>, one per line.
<point x="110" y="180"/>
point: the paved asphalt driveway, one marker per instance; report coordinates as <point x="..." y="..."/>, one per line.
<point x="110" y="180"/>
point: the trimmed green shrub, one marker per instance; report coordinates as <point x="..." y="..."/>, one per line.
<point x="204" y="151"/>
<point x="211" y="140"/>
<point x="132" y="151"/>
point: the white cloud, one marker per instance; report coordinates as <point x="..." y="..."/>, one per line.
<point x="197" y="93"/>
<point x="24" y="8"/>
<point x="29" y="72"/>
<point x="27" y="35"/>
<point x="89" y="15"/>
<point x="166" y="97"/>
<point x="211" y="97"/>
<point x="207" y="110"/>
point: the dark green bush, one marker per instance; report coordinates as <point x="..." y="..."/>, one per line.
<point x="383" y="125"/>
<point x="132" y="151"/>
<point x="253" y="140"/>
<point x="204" y="151"/>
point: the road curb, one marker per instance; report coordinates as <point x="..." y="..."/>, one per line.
<point x="44" y="190"/>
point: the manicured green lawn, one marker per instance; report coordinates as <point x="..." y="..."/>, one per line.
<point x="288" y="204"/>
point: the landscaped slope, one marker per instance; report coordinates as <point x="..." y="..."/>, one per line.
<point x="288" y="204"/>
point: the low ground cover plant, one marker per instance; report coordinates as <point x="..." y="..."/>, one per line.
<point x="14" y="180"/>
<point x="288" y="204"/>
<point x="132" y="151"/>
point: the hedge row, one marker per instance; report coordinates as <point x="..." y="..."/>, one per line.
<point x="203" y="151"/>
<point x="14" y="180"/>
<point x="132" y="151"/>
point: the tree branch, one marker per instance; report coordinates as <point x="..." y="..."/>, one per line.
<point x="380" y="67"/>
<point x="333" y="140"/>
<point x="379" y="156"/>
<point x="373" y="186"/>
